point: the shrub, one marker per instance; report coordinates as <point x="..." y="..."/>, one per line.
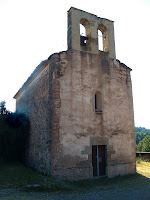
<point x="14" y="132"/>
<point x="138" y="160"/>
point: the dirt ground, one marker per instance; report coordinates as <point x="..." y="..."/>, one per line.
<point x="96" y="194"/>
<point x="117" y="192"/>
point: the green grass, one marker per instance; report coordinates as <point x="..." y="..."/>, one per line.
<point x="17" y="176"/>
<point x="134" y="181"/>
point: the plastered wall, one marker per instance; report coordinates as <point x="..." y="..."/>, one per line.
<point x="81" y="127"/>
<point x="64" y="125"/>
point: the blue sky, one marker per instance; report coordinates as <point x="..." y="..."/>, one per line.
<point x="31" y="30"/>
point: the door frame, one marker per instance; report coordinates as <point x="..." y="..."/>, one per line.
<point x="103" y="159"/>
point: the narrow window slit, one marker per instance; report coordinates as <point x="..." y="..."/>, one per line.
<point x="98" y="103"/>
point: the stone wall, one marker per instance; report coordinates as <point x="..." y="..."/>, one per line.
<point x="92" y="24"/>
<point x="33" y="99"/>
<point x="59" y="98"/>
<point x="81" y="127"/>
<point x="39" y="99"/>
<point x="58" y="63"/>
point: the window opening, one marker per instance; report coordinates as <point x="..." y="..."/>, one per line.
<point x="83" y="38"/>
<point x="98" y="103"/>
<point x="84" y="32"/>
<point x="100" y="40"/>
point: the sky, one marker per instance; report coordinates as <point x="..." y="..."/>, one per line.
<point x="32" y="30"/>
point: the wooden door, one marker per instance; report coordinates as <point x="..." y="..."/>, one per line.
<point x="99" y="160"/>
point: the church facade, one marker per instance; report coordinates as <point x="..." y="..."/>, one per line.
<point x="79" y="103"/>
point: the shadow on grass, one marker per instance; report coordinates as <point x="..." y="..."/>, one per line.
<point x="16" y="175"/>
<point x="133" y="181"/>
<point x="125" y="183"/>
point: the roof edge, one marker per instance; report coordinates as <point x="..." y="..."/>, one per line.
<point x="36" y="71"/>
<point x="88" y="13"/>
<point x="34" y="74"/>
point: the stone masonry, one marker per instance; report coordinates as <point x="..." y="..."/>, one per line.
<point x="60" y="100"/>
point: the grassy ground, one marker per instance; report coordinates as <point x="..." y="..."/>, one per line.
<point x="143" y="168"/>
<point x="16" y="177"/>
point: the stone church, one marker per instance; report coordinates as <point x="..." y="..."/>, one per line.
<point x="80" y="106"/>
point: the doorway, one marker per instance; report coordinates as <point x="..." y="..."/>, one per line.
<point x="99" y="160"/>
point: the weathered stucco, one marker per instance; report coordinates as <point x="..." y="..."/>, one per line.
<point x="81" y="127"/>
<point x="92" y="24"/>
<point x="59" y="98"/>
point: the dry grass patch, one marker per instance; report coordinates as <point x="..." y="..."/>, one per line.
<point x="143" y="168"/>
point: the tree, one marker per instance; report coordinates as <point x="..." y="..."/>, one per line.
<point x="14" y="133"/>
<point x="3" y="110"/>
<point x="146" y="144"/>
<point x="140" y="133"/>
<point x="139" y="146"/>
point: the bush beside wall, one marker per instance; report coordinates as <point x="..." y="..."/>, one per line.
<point x="14" y="133"/>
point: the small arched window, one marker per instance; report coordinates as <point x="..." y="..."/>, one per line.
<point x="98" y="102"/>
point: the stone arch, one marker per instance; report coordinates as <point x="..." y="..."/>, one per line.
<point x="104" y="35"/>
<point x="85" y="39"/>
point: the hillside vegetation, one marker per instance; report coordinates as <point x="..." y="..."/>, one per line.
<point x="142" y="139"/>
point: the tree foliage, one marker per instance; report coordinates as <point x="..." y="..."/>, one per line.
<point x="3" y="110"/>
<point x="141" y="133"/>
<point x="146" y="144"/>
<point x="14" y="132"/>
<point x="142" y="139"/>
<point x="139" y="146"/>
